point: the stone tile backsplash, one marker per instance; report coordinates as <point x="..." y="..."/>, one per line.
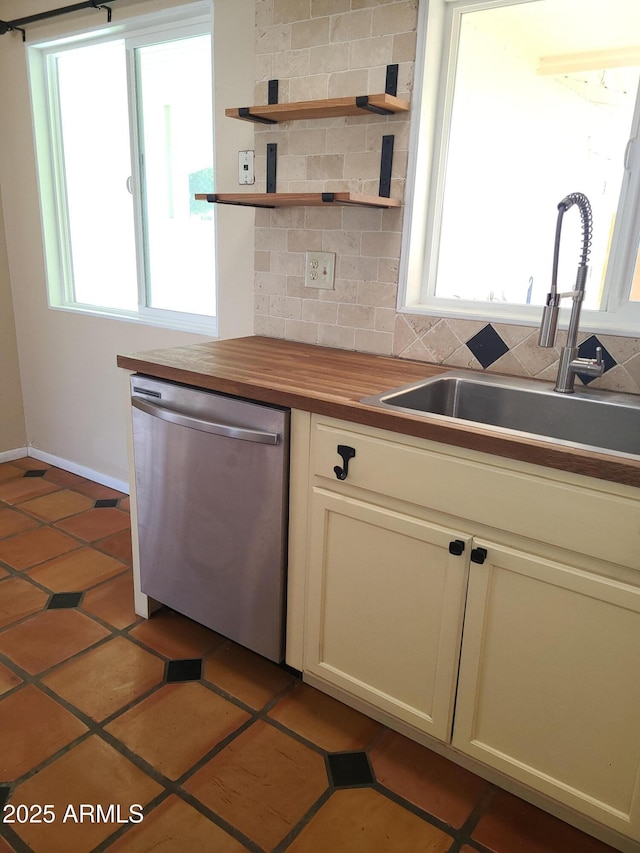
<point x="334" y="48"/>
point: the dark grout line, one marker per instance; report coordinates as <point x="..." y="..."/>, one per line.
<point x="460" y="836"/>
<point x="480" y="809"/>
<point x="17" y="844"/>
<point x="304" y="821"/>
<point x="175" y="786"/>
<point x="407" y="805"/>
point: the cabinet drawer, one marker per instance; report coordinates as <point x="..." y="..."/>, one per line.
<point x="581" y="514"/>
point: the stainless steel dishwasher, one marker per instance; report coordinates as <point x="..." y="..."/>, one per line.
<point x="211" y="492"/>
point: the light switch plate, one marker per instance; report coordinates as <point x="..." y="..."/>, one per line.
<point x="320" y="270"/>
<point x="246" y="171"/>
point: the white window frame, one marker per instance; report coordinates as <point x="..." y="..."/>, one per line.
<point x="178" y="22"/>
<point x="437" y="32"/>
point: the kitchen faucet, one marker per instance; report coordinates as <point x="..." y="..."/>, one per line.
<point x="570" y="364"/>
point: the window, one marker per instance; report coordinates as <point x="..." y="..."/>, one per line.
<point x="124" y="133"/>
<point x="523" y="102"/>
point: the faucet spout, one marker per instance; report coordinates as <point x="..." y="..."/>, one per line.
<point x="569" y="364"/>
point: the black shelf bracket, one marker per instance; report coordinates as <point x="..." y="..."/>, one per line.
<point x="245" y="112"/>
<point x="272" y="98"/>
<point x="390" y="88"/>
<point x="391" y="83"/>
<point x="386" y="164"/>
<point x="214" y="199"/>
<point x="362" y="102"/>
<point x="18" y="24"/>
<point x="272" y="162"/>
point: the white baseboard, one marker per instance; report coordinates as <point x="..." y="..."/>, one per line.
<point x="74" y="468"/>
<point x="10" y="455"/>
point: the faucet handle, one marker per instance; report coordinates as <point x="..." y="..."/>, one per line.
<point x="593" y="367"/>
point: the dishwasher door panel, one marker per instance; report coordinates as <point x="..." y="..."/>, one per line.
<point x="212" y="511"/>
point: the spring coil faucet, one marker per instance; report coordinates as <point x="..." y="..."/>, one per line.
<point x="570" y="364"/>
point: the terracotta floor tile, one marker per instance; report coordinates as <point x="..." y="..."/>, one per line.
<point x="60" y="504"/>
<point x="175" y="636"/>
<point x="97" y="492"/>
<point x="64" y="478"/>
<point x="177" y="725"/>
<point x="95" y="523"/>
<point x="10" y="471"/>
<point x="28" y="463"/>
<point x="12" y="522"/>
<point x="117" y="545"/>
<point x="22" y="489"/>
<point x="33" y="727"/>
<point x="8" y="679"/>
<point x="105" y="679"/>
<point x="92" y="773"/>
<point x="426" y="779"/>
<point x="323" y="720"/>
<point x="245" y="675"/>
<point x="78" y="570"/>
<point x="262" y="783"/>
<point x="48" y="638"/>
<point x="362" y="820"/>
<point x="35" y="546"/>
<point x="112" y="601"/>
<point x="175" y="827"/>
<point x="19" y="598"/>
<point x="510" y="824"/>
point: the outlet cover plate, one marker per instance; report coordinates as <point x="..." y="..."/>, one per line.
<point x="246" y="170"/>
<point x="320" y="270"/>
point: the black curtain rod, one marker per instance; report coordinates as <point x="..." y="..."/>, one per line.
<point x="19" y="23"/>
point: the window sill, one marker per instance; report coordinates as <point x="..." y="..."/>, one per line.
<point x="623" y="323"/>
<point x="198" y="326"/>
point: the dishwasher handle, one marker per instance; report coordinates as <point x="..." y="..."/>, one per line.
<point x="182" y="419"/>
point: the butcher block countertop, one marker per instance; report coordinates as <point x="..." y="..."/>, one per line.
<point x="332" y="382"/>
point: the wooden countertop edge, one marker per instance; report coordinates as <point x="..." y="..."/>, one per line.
<point x="274" y="390"/>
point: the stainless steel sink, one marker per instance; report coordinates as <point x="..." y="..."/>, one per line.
<point x="597" y="419"/>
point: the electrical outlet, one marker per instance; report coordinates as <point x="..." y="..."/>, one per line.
<point x="320" y="270"/>
<point x="246" y="172"/>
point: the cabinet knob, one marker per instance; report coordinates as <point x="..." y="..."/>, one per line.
<point x="456" y="547"/>
<point x="478" y="555"/>
<point x="347" y="453"/>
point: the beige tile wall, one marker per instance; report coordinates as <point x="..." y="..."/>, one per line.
<point x="334" y="48"/>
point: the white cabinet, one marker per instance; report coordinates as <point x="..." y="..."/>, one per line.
<point x="427" y="559"/>
<point x="386" y="600"/>
<point x="549" y="689"/>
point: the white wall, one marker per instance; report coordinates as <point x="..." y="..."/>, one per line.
<point x="12" y="427"/>
<point x="74" y="396"/>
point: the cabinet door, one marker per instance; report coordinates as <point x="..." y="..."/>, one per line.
<point x="384" y="608"/>
<point x="549" y="688"/>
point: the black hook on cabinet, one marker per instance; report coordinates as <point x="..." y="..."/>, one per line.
<point x="347" y="453"/>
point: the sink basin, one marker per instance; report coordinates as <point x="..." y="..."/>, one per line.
<point x="597" y="419"/>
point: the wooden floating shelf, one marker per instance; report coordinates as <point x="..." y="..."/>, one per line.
<point x="298" y="199"/>
<point x="382" y="104"/>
